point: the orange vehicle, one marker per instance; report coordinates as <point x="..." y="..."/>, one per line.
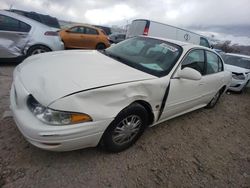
<point x="84" y="36"/>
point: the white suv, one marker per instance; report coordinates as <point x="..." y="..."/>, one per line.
<point x="21" y="36"/>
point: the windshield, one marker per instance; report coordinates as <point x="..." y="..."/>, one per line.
<point x="149" y="55"/>
<point x="237" y="61"/>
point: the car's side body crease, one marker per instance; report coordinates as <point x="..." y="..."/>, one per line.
<point x="93" y="88"/>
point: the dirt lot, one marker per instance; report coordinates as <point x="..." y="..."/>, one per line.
<point x="205" y="148"/>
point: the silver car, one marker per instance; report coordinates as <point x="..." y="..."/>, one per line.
<point x="116" y="37"/>
<point x="21" y="36"/>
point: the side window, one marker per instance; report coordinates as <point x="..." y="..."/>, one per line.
<point x="10" y="24"/>
<point x="24" y="27"/>
<point x="90" y="31"/>
<point x="196" y="60"/>
<point x="77" y="30"/>
<point x="213" y="64"/>
<point x="204" y="42"/>
<point x="220" y="65"/>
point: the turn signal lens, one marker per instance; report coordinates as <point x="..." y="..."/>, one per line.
<point x="77" y="118"/>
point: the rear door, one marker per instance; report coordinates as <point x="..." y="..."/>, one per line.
<point x="13" y="36"/>
<point x="214" y="75"/>
<point x="90" y="38"/>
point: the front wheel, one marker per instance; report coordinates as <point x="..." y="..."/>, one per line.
<point x="125" y="130"/>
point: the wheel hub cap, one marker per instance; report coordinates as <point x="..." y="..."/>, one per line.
<point x="127" y="129"/>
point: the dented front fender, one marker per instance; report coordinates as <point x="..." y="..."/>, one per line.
<point x="106" y="102"/>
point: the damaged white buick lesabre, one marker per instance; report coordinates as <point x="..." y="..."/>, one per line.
<point x="76" y="99"/>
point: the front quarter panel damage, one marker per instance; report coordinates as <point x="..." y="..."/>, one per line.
<point x="107" y="102"/>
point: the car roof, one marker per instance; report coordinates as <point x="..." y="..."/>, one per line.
<point x="23" y="18"/>
<point x="42" y="18"/>
<point x="85" y="25"/>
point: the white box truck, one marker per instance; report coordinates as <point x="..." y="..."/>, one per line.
<point x="157" y="29"/>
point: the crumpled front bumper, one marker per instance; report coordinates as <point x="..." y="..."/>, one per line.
<point x="238" y="85"/>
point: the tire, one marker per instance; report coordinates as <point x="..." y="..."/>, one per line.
<point x="100" y="46"/>
<point x="126" y="128"/>
<point x="33" y="50"/>
<point x="214" y="100"/>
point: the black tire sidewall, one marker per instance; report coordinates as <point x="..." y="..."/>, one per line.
<point x="134" y="109"/>
<point x="210" y="105"/>
<point x="32" y="48"/>
<point x="100" y="46"/>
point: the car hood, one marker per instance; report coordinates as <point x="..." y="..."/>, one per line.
<point x="53" y="75"/>
<point x="236" y="69"/>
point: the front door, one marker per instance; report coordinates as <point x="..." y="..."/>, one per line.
<point x="186" y="94"/>
<point x="75" y="37"/>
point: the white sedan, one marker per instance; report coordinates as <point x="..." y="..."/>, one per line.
<point x="239" y="65"/>
<point x="75" y="99"/>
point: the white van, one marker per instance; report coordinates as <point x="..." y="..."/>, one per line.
<point x="156" y="29"/>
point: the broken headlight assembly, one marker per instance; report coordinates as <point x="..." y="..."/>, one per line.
<point x="238" y="76"/>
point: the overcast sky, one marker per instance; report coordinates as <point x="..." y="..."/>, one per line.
<point x="182" y="13"/>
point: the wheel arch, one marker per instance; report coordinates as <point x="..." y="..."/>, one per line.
<point x="223" y="89"/>
<point x="100" y="43"/>
<point x="148" y="108"/>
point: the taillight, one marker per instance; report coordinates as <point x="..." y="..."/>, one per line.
<point x="51" y="33"/>
<point x="145" y="32"/>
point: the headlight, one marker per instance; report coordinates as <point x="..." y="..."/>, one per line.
<point x="238" y="76"/>
<point x="55" y="117"/>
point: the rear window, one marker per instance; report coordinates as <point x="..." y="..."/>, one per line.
<point x="49" y="21"/>
<point x="45" y="19"/>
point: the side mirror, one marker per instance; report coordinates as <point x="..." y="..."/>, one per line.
<point x="189" y="74"/>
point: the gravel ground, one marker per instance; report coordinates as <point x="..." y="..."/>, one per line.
<point x="205" y="148"/>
